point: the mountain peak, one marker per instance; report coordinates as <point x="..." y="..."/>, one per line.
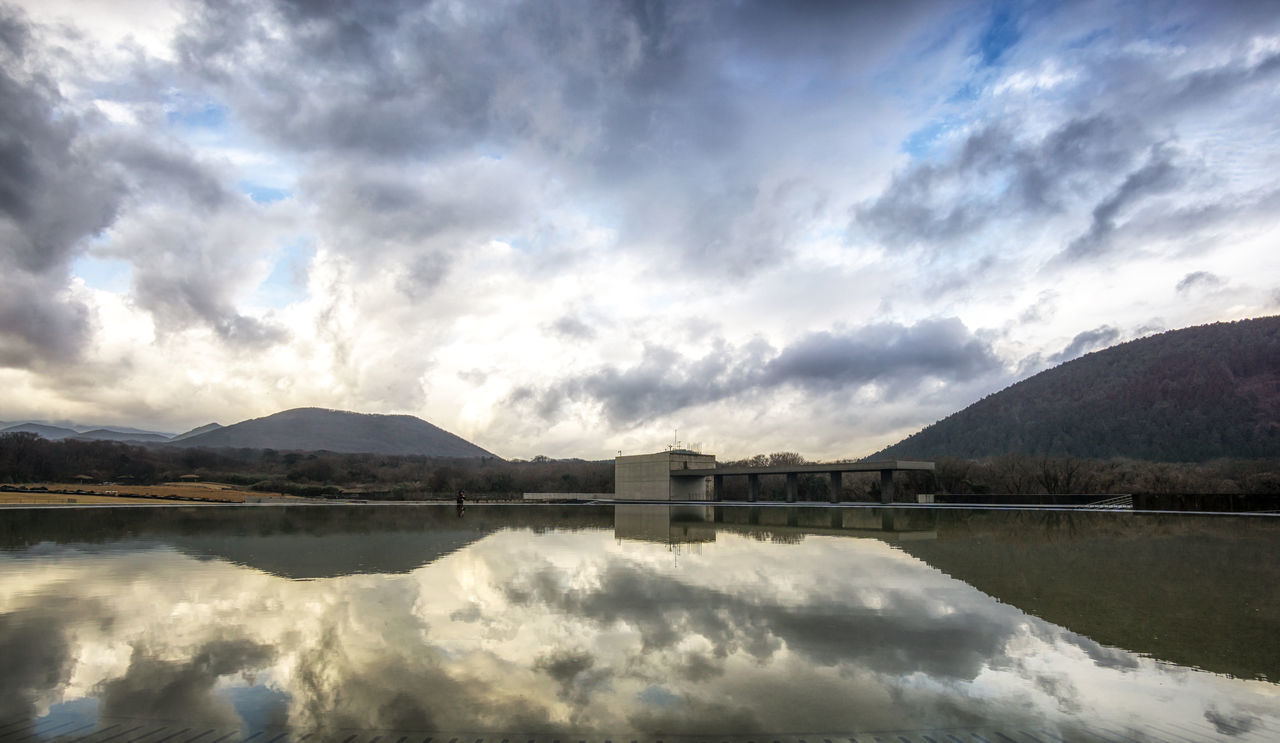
<point x="314" y="429"/>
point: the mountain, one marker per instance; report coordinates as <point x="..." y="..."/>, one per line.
<point x="197" y="431"/>
<point x="145" y="433"/>
<point x="1185" y="395"/>
<point x="53" y="433"/>
<point x="108" y="434"/>
<point x="315" y="429"/>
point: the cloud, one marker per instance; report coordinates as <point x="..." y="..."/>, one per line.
<point x="996" y="176"/>
<point x="897" y="358"/>
<point x="898" y="637"/>
<point x="572" y="327"/>
<point x="53" y="196"/>
<point x="1199" y="281"/>
<point x="156" y="688"/>
<point x="1086" y="341"/>
<point x="1158" y="175"/>
<point x="895" y="355"/>
<point x="37" y="659"/>
<point x="1231" y="723"/>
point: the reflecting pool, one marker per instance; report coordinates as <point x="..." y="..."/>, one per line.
<point x="403" y="623"/>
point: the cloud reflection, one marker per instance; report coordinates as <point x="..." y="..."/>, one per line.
<point x="578" y="631"/>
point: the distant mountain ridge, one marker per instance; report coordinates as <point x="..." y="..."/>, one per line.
<point x="53" y="433"/>
<point x="1188" y="395"/>
<point x="197" y="431"/>
<point x="315" y="429"/>
<point x="56" y="433"/>
<point x="108" y="434"/>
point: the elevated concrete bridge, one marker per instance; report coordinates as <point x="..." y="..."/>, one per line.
<point x="686" y="475"/>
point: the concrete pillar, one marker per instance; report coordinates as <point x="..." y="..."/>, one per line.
<point x="837" y="486"/>
<point x="793" y="486"/>
<point x="753" y="488"/>
<point x="717" y="487"/>
<point x="886" y="486"/>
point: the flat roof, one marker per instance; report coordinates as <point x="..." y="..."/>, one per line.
<point x="786" y="469"/>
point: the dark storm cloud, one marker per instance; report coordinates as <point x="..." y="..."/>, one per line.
<point x="606" y="95"/>
<point x="401" y="78"/>
<point x="167" y="173"/>
<point x="36" y="656"/>
<point x="155" y="688"/>
<point x="1086" y="341"/>
<point x="574" y="671"/>
<point x="52" y="197"/>
<point x="896" y="357"/>
<point x="1199" y="280"/>
<point x="38" y="322"/>
<point x="996" y="176"/>
<point x="564" y="666"/>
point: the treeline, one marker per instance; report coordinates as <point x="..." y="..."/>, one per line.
<point x="1052" y="475"/>
<point x="26" y="457"/>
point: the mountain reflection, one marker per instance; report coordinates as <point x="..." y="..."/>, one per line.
<point x="549" y="620"/>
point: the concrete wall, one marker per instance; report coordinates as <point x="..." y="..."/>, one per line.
<point x="648" y="476"/>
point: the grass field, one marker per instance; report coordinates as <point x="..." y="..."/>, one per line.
<point x="132" y="494"/>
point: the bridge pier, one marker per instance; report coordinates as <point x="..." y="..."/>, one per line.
<point x="793" y="486"/>
<point x="886" y="486"/>
<point x="837" y="486"/>
<point x="717" y="487"/>
<point x="753" y="488"/>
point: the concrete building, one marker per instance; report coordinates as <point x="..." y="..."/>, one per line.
<point x="648" y="476"/>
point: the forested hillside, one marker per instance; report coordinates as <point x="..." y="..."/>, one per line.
<point x="317" y="429"/>
<point x="1185" y="395"/>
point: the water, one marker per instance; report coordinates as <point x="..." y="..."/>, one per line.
<point x="539" y="622"/>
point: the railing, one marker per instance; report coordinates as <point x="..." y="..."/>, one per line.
<point x="1120" y="502"/>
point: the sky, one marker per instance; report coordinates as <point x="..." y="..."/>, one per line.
<point x="578" y="228"/>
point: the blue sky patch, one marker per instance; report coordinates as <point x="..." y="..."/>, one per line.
<point x="208" y="116"/>
<point x="264" y="194"/>
<point x="1000" y="34"/>
<point x="73" y="714"/>
<point x="923" y="142"/>
<point x="105" y="274"/>
<point x="259" y="706"/>
<point x="656" y="696"/>
<point x="287" y="282"/>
